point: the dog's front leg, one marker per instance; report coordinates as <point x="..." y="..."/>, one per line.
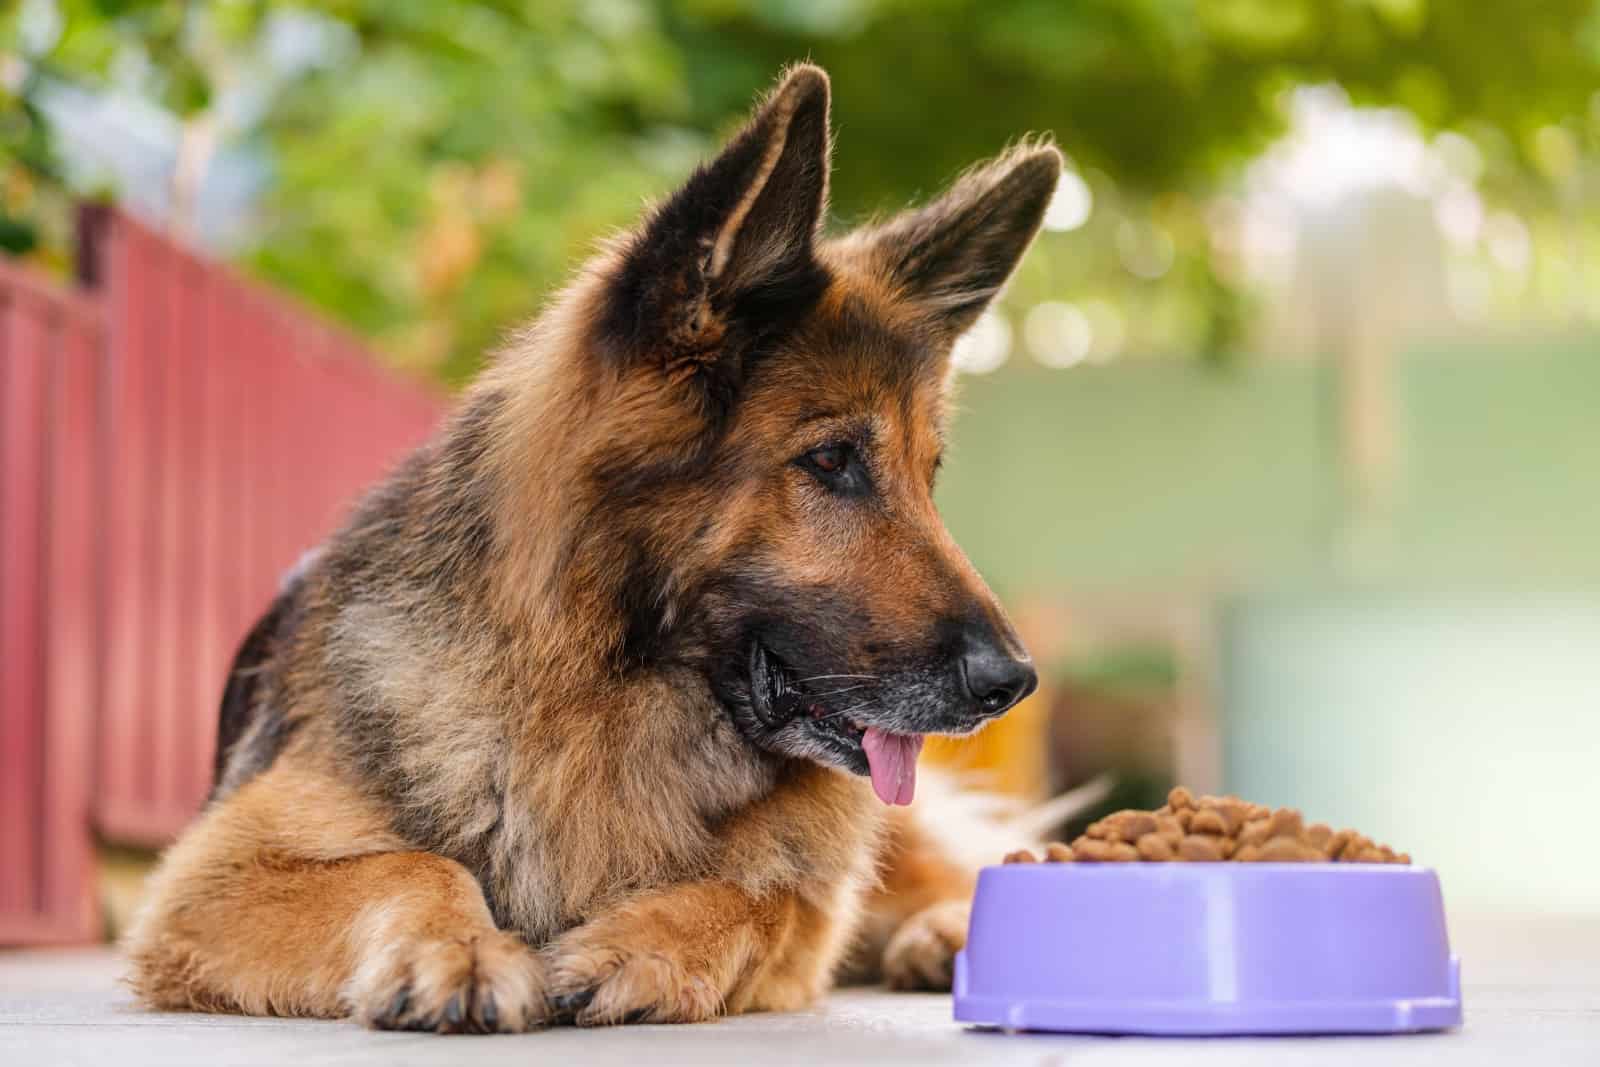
<point x="762" y="931"/>
<point x="687" y="953"/>
<point x="291" y="898"/>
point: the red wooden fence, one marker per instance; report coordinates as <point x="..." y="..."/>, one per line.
<point x="49" y="361"/>
<point x="174" y="437"/>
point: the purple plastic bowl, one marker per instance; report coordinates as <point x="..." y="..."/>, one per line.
<point x="1208" y="948"/>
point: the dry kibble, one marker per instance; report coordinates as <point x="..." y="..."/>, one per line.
<point x="1235" y="813"/>
<point x="1213" y="829"/>
<point x="1155" y="848"/>
<point x="1354" y="846"/>
<point x="1288" y="850"/>
<point x="1104" y="851"/>
<point x="1286" y="822"/>
<point x="1091" y="849"/>
<point x="1131" y="825"/>
<point x="1200" y="848"/>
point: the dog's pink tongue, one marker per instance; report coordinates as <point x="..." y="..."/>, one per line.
<point x="892" y="759"/>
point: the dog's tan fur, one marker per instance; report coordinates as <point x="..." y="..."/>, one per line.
<point x="461" y="789"/>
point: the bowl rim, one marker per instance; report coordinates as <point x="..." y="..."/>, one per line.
<point x="1211" y="867"/>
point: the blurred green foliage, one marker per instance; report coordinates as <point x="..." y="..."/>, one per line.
<point x="437" y="167"/>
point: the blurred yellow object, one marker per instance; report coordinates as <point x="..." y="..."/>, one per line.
<point x="1009" y="756"/>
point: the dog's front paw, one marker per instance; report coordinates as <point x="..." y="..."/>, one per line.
<point x="482" y="984"/>
<point x="922" y="952"/>
<point x="599" y="976"/>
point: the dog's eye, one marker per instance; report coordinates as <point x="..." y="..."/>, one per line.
<point x="837" y="467"/>
<point x="830" y="460"/>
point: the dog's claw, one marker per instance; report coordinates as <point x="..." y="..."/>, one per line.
<point x="490" y="1012"/>
<point x="397" y="1009"/>
<point x="568" y="1005"/>
<point x="453" y="1010"/>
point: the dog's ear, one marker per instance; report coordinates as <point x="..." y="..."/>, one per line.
<point x="951" y="257"/>
<point x="730" y="255"/>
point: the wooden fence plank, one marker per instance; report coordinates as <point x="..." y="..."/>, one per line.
<point x="171" y="440"/>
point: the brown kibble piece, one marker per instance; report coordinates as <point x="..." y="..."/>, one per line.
<point x="1246" y="854"/>
<point x="1104" y="851"/>
<point x="1180" y="799"/>
<point x="1319" y="834"/>
<point x="1156" y="849"/>
<point x="1090" y="849"/>
<point x="1199" y="848"/>
<point x="1130" y="825"/>
<point x="1185" y="817"/>
<point x="1288" y="850"/>
<point x="1236" y="813"/>
<point x="1354" y="847"/>
<point x="1021" y="855"/>
<point x="1255" y="832"/>
<point x="1208" y="821"/>
<point x="1286" y="822"/>
<point x="1056" y="852"/>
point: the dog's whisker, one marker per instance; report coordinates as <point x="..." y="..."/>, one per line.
<point x="827" y="677"/>
<point x="836" y="692"/>
<point x="845" y="711"/>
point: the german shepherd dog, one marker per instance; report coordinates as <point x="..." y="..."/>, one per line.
<point x="593" y="711"/>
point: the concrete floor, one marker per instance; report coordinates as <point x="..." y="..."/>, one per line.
<point x="1532" y="992"/>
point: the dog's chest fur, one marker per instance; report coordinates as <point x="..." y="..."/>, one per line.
<point x="559" y="802"/>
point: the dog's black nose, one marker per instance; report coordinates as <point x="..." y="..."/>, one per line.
<point x="995" y="678"/>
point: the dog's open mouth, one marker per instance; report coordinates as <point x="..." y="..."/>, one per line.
<point x="782" y="700"/>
